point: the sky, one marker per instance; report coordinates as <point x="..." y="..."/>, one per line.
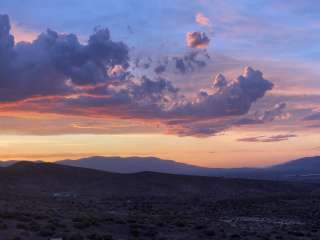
<point x="208" y="82"/>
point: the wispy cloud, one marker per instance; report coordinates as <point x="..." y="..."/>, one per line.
<point x="266" y="139"/>
<point x="313" y="117"/>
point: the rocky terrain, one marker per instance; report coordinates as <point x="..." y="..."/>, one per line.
<point x="47" y="201"/>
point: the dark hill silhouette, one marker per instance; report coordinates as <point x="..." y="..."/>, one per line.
<point x="48" y="178"/>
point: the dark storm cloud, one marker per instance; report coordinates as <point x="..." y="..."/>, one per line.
<point x="44" y="67"/>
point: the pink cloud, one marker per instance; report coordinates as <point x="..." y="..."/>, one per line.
<point x="197" y="40"/>
<point x="202" y="20"/>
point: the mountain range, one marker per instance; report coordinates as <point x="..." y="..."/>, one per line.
<point x="304" y="169"/>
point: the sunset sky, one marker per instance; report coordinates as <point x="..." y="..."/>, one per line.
<point x="208" y="82"/>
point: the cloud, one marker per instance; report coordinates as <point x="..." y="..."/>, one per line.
<point x="232" y="100"/>
<point x="159" y="101"/>
<point x="313" y="117"/>
<point x="197" y="40"/>
<point x="142" y="62"/>
<point x="201" y="19"/>
<point x="191" y="61"/>
<point x="266" y="139"/>
<point x="56" y="74"/>
<point x="202" y="128"/>
<point x="161" y="68"/>
<point x="248" y="121"/>
<point x="52" y="62"/>
<point x="220" y="82"/>
<point x="275" y="113"/>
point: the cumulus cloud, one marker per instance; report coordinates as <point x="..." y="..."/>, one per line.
<point x="45" y="66"/>
<point x="57" y="74"/>
<point x="234" y="99"/>
<point x="197" y="40"/>
<point x="266" y="139"/>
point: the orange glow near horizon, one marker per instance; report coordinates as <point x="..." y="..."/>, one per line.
<point x="218" y="151"/>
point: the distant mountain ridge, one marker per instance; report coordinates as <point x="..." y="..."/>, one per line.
<point x="303" y="164"/>
<point x="136" y="164"/>
<point x="304" y="169"/>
